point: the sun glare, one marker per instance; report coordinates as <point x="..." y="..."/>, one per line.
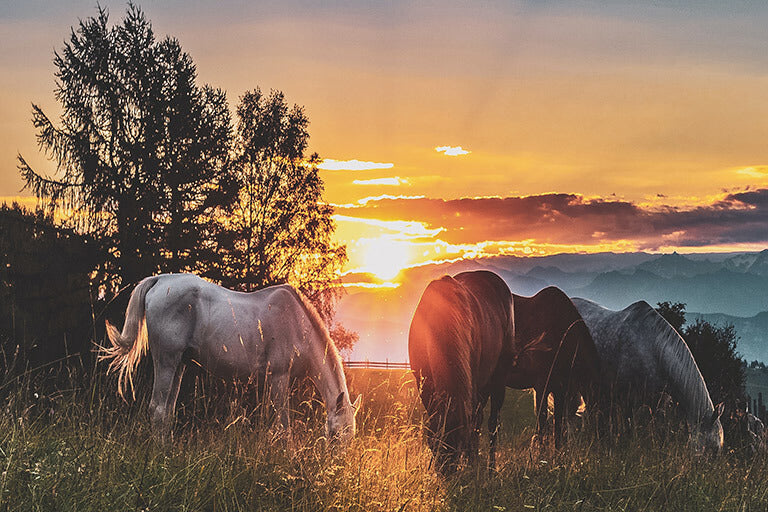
<point x="385" y="257"/>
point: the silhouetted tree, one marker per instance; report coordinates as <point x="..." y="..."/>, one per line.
<point x="281" y="231"/>
<point x="141" y="150"/>
<point x="674" y="313"/>
<point x="45" y="297"/>
<point x="714" y="349"/>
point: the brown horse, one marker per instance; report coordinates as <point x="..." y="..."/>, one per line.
<point x="552" y="352"/>
<point x="470" y="338"/>
<point x="456" y="338"/>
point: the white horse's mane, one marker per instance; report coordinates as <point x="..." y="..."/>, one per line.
<point x="331" y="352"/>
<point x="676" y="361"/>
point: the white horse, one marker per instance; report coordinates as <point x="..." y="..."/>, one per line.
<point x="642" y="355"/>
<point x="269" y="335"/>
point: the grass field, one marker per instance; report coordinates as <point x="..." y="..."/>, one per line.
<point x="79" y="448"/>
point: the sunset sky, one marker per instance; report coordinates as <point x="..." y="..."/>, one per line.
<point x="462" y="129"/>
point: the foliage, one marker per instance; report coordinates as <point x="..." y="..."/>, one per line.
<point x="674" y="313"/>
<point x="147" y="165"/>
<point x="714" y="348"/>
<point x="45" y="295"/>
<point x="81" y="449"/>
<point x="281" y="232"/>
<point x="344" y="339"/>
<point x="141" y="150"/>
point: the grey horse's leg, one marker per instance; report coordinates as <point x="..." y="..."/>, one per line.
<point x="164" y="390"/>
<point x="497" y="400"/>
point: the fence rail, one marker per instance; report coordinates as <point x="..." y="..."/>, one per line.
<point x="381" y="365"/>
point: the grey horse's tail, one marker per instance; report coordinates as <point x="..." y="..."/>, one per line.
<point x="127" y="348"/>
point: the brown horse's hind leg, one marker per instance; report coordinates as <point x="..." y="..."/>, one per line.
<point x="165" y="389"/>
<point x="561" y="401"/>
<point x="473" y="448"/>
<point x="497" y="400"/>
<point x="541" y="410"/>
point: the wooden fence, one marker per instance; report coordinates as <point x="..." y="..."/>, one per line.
<point x="757" y="407"/>
<point x="380" y="365"/>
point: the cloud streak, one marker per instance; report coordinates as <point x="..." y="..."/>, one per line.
<point x="452" y="150"/>
<point x="352" y="165"/>
<point x="562" y="220"/>
<point x="392" y="181"/>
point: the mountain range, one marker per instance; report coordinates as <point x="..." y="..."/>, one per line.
<point x="723" y="288"/>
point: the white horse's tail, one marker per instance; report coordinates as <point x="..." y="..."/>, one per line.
<point x="128" y="347"/>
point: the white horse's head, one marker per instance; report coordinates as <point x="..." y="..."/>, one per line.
<point x="709" y="437"/>
<point x="340" y="427"/>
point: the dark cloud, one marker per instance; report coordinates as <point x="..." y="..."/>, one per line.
<point x="571" y="219"/>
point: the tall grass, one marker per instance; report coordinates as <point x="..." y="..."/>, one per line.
<point x="77" y="447"/>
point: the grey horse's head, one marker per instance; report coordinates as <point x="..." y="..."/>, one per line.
<point x="340" y="426"/>
<point x="709" y="435"/>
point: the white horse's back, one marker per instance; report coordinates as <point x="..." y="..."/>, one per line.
<point x="232" y="333"/>
<point x="626" y="346"/>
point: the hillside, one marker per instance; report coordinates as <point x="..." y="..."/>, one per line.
<point x="722" y="291"/>
<point x="752" y="332"/>
<point x="722" y="288"/>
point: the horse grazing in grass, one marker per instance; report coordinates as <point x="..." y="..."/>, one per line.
<point x="553" y="353"/>
<point x="454" y="344"/>
<point x="270" y="335"/>
<point x="642" y="355"/>
<point x="470" y="338"/>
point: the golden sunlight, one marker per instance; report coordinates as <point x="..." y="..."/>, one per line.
<point x="386" y="257"/>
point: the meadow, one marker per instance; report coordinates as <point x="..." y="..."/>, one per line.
<point x="78" y="447"/>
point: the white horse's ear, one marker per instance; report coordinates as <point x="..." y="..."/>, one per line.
<point x="358" y="403"/>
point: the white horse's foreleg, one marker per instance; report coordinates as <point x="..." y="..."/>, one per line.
<point x="173" y="395"/>
<point x="165" y="389"/>
<point x="279" y="399"/>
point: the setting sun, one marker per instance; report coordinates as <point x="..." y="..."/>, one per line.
<point x="386" y="257"/>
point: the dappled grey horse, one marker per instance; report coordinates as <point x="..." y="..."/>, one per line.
<point x="642" y="355"/>
<point x="268" y="336"/>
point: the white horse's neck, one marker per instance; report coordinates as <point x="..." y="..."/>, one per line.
<point x="327" y="372"/>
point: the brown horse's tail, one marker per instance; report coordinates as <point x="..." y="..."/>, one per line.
<point x="127" y="348"/>
<point x="583" y="365"/>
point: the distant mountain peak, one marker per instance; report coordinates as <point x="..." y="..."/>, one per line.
<point x="760" y="265"/>
<point x="677" y="265"/>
